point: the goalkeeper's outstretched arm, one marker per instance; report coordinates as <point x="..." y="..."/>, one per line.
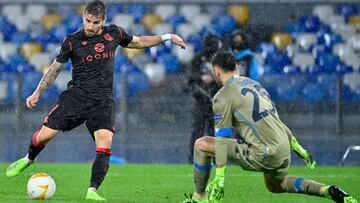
<point x="299" y="150"/>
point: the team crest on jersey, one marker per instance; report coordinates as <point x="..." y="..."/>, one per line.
<point x="99" y="47"/>
<point x="108" y="37"/>
<point x="217" y="117"/>
<point x="84" y="42"/>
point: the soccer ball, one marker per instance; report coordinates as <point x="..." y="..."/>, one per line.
<point x="41" y="186"/>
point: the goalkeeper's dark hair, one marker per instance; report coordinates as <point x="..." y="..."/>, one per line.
<point x="96" y="8"/>
<point x="225" y="60"/>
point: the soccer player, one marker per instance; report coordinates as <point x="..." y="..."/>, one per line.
<point x="243" y="108"/>
<point x="88" y="97"/>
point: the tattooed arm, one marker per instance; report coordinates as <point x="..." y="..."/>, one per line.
<point x="45" y="82"/>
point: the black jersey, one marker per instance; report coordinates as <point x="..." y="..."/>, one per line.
<point x="93" y="59"/>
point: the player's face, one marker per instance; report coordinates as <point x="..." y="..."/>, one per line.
<point x="216" y="73"/>
<point x="92" y="24"/>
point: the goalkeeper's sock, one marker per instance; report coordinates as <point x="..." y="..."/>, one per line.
<point x="305" y="186"/>
<point x="100" y="167"/>
<point x="35" y="147"/>
<point x="202" y="169"/>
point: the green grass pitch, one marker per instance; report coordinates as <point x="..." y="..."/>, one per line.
<point x="167" y="183"/>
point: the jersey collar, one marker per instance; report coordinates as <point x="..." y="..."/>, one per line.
<point x="231" y="79"/>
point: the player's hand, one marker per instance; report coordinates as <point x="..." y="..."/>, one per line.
<point x="32" y="100"/>
<point x="215" y="189"/>
<point x="310" y="161"/>
<point x="178" y="41"/>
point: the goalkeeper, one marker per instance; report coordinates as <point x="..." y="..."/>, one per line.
<point x="243" y="108"/>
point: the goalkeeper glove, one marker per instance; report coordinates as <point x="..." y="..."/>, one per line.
<point x="215" y="188"/>
<point x="302" y="153"/>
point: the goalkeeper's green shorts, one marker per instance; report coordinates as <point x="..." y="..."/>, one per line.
<point x="251" y="159"/>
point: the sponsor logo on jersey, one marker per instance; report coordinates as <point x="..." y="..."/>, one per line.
<point x="108" y="37"/>
<point x="217" y="117"/>
<point x="99" y="47"/>
<point x="98" y="56"/>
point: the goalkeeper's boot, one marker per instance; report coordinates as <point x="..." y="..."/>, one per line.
<point x="339" y="196"/>
<point x="93" y="195"/>
<point x="18" y="166"/>
<point x="192" y="199"/>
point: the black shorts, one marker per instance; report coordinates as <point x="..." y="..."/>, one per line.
<point x="73" y="109"/>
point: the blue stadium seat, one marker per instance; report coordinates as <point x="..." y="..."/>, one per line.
<point x="329" y="39"/>
<point x="356" y="95"/>
<point x="10" y="79"/>
<point x="276" y="62"/>
<point x="129" y="68"/>
<point x="26" y="68"/>
<point x="294" y="30"/>
<point x="342" y="69"/>
<point x="328" y="63"/>
<point x="137" y="11"/>
<point x="120" y="60"/>
<point x="347" y="95"/>
<point x="113" y="10"/>
<point x="310" y="23"/>
<point x="176" y="20"/>
<point x="329" y="83"/>
<point x="347" y="10"/>
<point x="170" y="62"/>
<point x="59" y="32"/>
<point x="313" y="70"/>
<point x="314" y="93"/>
<point x="20" y="37"/>
<point x="14" y="62"/>
<point x="266" y="49"/>
<point x="225" y="24"/>
<point x="195" y="40"/>
<point x="137" y="83"/>
<point x="51" y="94"/>
<point x="73" y="23"/>
<point x="8" y="30"/>
<point x="320" y="49"/>
<point x="324" y="29"/>
<point x="68" y="66"/>
<point x="45" y="38"/>
<point x="291" y="70"/>
<point x="209" y="29"/>
<point x="159" y="50"/>
<point x="31" y="81"/>
<point x="287" y="93"/>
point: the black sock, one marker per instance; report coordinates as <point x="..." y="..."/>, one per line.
<point x="35" y="147"/>
<point x="34" y="151"/>
<point x="99" y="169"/>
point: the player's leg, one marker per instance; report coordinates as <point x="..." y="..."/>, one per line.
<point x="103" y="141"/>
<point x="204" y="149"/>
<point x="101" y="126"/>
<point x="37" y="144"/>
<point x="278" y="182"/>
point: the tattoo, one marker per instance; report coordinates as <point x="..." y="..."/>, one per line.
<point x="50" y="76"/>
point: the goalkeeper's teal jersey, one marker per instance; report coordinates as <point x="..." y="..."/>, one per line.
<point x="243" y="108"/>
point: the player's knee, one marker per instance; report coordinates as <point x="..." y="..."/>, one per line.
<point x="274" y="188"/>
<point x="202" y="144"/>
<point x="104" y="138"/>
